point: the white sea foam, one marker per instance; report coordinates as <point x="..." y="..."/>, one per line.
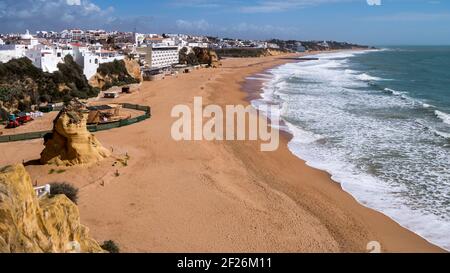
<point x="257" y="78"/>
<point x="387" y="164"/>
<point x="301" y="136"/>
<point x="443" y="116"/>
<point x="394" y="92"/>
<point x="442" y="134"/>
<point x="367" y="77"/>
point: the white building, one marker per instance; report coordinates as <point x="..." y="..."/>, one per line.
<point x="28" y="39"/>
<point x="95" y="35"/>
<point x="18" y="50"/>
<point x="164" y="56"/>
<point x="1" y="42"/>
<point x="90" y="59"/>
<point x="139" y="39"/>
<point x="325" y="44"/>
<point x="9" y="52"/>
<point x="72" y="34"/>
<point x="272" y="46"/>
<point x="47" y="58"/>
<point x="198" y="44"/>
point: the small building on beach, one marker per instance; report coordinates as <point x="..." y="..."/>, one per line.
<point x="110" y="95"/>
<point x="105" y="114"/>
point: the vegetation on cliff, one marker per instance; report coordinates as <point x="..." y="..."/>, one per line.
<point x="188" y="58"/>
<point x="66" y="189"/>
<point x="246" y="52"/>
<point x="22" y="84"/>
<point x="115" y="74"/>
<point x="314" y="45"/>
<point x="198" y="56"/>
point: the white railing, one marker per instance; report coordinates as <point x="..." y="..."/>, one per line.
<point x="42" y="191"/>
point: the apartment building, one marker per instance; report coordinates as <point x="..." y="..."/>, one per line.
<point x="164" y="56"/>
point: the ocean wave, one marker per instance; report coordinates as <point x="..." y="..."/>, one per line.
<point x="395" y="92"/>
<point x="426" y="105"/>
<point x="367" y="78"/>
<point x="442" y="134"/>
<point x="443" y="116"/>
<point x="302" y="136"/>
<point x="402" y="94"/>
<point x="327" y="138"/>
<point x="434" y="131"/>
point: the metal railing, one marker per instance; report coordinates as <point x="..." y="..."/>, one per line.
<point x="42" y="191"/>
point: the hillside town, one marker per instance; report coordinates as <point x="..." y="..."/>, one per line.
<point x="155" y="52"/>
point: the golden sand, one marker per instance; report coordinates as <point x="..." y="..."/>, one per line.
<point x="158" y="195"/>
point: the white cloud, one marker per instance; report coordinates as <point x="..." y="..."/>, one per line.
<point x="200" y="3"/>
<point x="260" y="6"/>
<point x="374" y="2"/>
<point x="51" y="14"/>
<point x="410" y="17"/>
<point x="201" y="25"/>
<point x="74" y="2"/>
<point x="266" y="6"/>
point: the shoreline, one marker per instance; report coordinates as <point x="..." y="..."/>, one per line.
<point x="253" y="87"/>
<point x="203" y="196"/>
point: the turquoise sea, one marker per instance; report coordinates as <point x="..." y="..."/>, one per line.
<point x="379" y="122"/>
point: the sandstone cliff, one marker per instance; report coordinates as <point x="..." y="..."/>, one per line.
<point x="133" y="68"/>
<point x="32" y="225"/>
<point x="116" y="73"/>
<point x="70" y="143"/>
<point x="248" y="52"/>
<point x="207" y="56"/>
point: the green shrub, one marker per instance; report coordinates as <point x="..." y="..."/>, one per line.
<point x="64" y="188"/>
<point x="110" y="246"/>
<point x="119" y="70"/>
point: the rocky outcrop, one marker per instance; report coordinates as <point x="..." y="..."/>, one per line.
<point x="133" y="68"/>
<point x="207" y="56"/>
<point x="32" y="225"/>
<point x="248" y="52"/>
<point x="70" y="142"/>
<point x="99" y="81"/>
<point x="116" y="73"/>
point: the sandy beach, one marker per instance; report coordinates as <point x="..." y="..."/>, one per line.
<point x="216" y="196"/>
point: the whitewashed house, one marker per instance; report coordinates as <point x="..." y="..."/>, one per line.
<point x="198" y="44"/>
<point x="12" y="51"/>
<point x="18" y="50"/>
<point x="47" y="58"/>
<point x="91" y="58"/>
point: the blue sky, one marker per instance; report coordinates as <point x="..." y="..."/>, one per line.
<point x="392" y="22"/>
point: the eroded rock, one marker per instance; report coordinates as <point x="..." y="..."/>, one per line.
<point x="70" y="142"/>
<point x="32" y="225"/>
